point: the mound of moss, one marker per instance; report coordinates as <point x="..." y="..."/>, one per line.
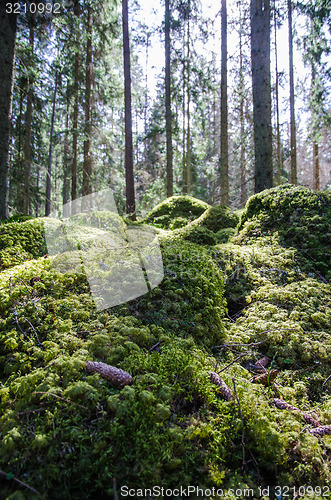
<point x="300" y="216"/>
<point x="217" y="218"/>
<point x="174" y="207"/>
<point x="68" y="434"/>
<point x="189" y="300"/>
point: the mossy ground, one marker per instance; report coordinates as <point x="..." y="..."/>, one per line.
<point x="68" y="433"/>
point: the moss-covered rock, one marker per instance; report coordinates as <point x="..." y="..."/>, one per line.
<point x="68" y="433"/>
<point x="27" y="237"/>
<point x="190" y="298"/>
<point x="186" y="207"/>
<point x="300" y="216"/>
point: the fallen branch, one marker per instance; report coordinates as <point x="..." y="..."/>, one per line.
<point x="242" y="423"/>
<point x="13" y="478"/>
<point x="61" y="399"/>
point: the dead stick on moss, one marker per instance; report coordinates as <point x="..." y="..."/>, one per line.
<point x="324" y="383"/>
<point x="61" y="399"/>
<point x="242" y="423"/>
<point x="232" y="362"/>
<point x="7" y="476"/>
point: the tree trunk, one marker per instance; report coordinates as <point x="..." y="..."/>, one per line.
<point x="75" y="129"/>
<point x="49" y="170"/>
<point x="168" y="101"/>
<point x="129" y="177"/>
<point x="28" y="126"/>
<point x="316" y="167"/>
<point x="294" y="179"/>
<point x="66" y="158"/>
<point x="87" y="166"/>
<point x="184" y="124"/>
<point x="8" y="23"/>
<point x="278" y="170"/>
<point x="224" y="160"/>
<point x="243" y="195"/>
<point x="188" y="132"/>
<point x="260" y="53"/>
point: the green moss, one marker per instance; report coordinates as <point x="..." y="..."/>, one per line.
<point x="186" y="207"/>
<point x="190" y="298"/>
<point x="300" y="216"/>
<point x="68" y="433"/>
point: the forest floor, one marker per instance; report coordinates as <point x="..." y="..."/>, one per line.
<point x="226" y="363"/>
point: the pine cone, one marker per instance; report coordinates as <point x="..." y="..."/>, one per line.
<point x="282" y="405"/>
<point x="263" y="362"/>
<point x="224" y="390"/>
<point x="323" y="430"/>
<point x="266" y="378"/>
<point x="116" y="376"/>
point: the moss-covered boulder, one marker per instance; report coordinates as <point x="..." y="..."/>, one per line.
<point x="217" y="218"/>
<point x="189" y="300"/>
<point x="170" y="209"/>
<point x="300" y="216"/>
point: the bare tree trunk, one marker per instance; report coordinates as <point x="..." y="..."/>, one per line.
<point x="260" y="53"/>
<point x="188" y="134"/>
<point x="243" y="195"/>
<point x="168" y="101"/>
<point x="49" y="170"/>
<point x="316" y="167"/>
<point x="87" y="167"/>
<point x="75" y="129"/>
<point x="129" y="177"/>
<point x="294" y="179"/>
<point x="8" y="24"/>
<point x="28" y="126"/>
<point x="278" y="170"/>
<point x="224" y="160"/>
<point x="184" y="123"/>
<point x="66" y="158"/>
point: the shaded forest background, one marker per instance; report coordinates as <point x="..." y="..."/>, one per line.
<point x="194" y="133"/>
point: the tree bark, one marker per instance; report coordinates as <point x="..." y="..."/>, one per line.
<point x="28" y="129"/>
<point x="260" y="54"/>
<point x="49" y="170"/>
<point x="188" y="132"/>
<point x="294" y="179"/>
<point x="278" y="170"/>
<point x="87" y="166"/>
<point x="316" y="167"/>
<point x="129" y="177"/>
<point x="224" y="160"/>
<point x="243" y="194"/>
<point x="8" y="24"/>
<point x="168" y="101"/>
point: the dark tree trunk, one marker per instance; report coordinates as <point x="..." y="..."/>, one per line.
<point x="49" y="170"/>
<point x="260" y="54"/>
<point x="87" y="167"/>
<point x="188" y="132"/>
<point x="168" y="101"/>
<point x="75" y="130"/>
<point x="294" y="179"/>
<point x="28" y="130"/>
<point x="129" y="177"/>
<point x="243" y="195"/>
<point x="224" y="160"/>
<point x="316" y="167"/>
<point x="278" y="170"/>
<point x="8" y="23"/>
